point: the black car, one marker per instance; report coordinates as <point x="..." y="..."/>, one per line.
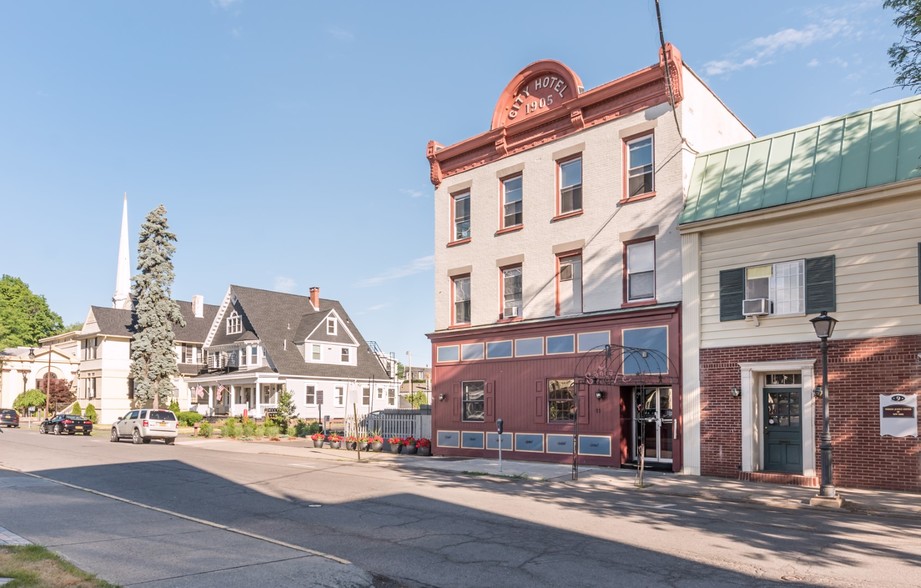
<point x="9" y="417"/>
<point x="66" y="423"/>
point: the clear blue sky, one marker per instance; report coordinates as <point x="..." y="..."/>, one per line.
<point x="287" y="138"/>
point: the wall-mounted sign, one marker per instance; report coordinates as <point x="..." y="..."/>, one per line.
<point x="898" y="415"/>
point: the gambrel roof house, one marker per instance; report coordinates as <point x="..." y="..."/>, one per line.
<point x="775" y="231"/>
<point x="263" y="341"/>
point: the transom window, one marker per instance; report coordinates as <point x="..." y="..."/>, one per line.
<point x="640" y="166"/>
<point x="511" y="292"/>
<point x="561" y="401"/>
<point x="461" y="216"/>
<point x="641" y="270"/>
<point x="474" y="401"/>
<point x="234" y="324"/>
<point x="462" y="300"/>
<point x="570" y="185"/>
<point x="511" y="202"/>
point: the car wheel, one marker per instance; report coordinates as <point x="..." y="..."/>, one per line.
<point x="58" y="430"/>
<point x="85" y="433"/>
<point x="41" y="429"/>
<point x="136" y="437"/>
<point x="146" y="439"/>
<point x="170" y="441"/>
<point x="114" y="436"/>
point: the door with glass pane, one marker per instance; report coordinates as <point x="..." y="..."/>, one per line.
<point x="783" y="443"/>
<point x="655" y="424"/>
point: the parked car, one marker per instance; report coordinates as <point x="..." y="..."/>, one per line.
<point x="9" y="417"/>
<point x="145" y="424"/>
<point x="66" y="423"/>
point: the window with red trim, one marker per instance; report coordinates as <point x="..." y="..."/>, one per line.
<point x="460" y="215"/>
<point x="511" y="202"/>
<point x="461" y="300"/>
<point x="570" y="182"/>
<point x="640" y="270"/>
<point x="640" y="166"/>
<point x="569" y="284"/>
<point x="511" y="292"/>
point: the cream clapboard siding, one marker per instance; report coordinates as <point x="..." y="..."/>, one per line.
<point x="875" y="244"/>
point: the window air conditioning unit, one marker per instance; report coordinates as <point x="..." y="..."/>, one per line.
<point x="756" y="307"/>
<point x="511" y="312"/>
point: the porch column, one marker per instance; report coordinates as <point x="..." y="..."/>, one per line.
<point x="258" y="398"/>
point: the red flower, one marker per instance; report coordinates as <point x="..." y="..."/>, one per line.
<point x="423" y="442"/>
<point x="409" y="441"/>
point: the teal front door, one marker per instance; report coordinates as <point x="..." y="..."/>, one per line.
<point x="783" y="430"/>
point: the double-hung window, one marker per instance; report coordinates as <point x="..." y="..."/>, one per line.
<point x="569" y="285"/>
<point x="511" y="292"/>
<point x="234" y="323"/>
<point x="344" y="355"/>
<point x="316" y="352"/>
<point x="570" y="181"/>
<point x="800" y="286"/>
<point x="511" y="202"/>
<point x="310" y="395"/>
<point x="460" y="215"/>
<point x="561" y="401"/>
<point x="640" y="264"/>
<point x="461" y="297"/>
<point x="640" y="164"/>
<point x="474" y="401"/>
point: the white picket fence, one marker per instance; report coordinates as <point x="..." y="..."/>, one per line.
<point x="395" y="422"/>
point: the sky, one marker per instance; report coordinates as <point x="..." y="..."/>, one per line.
<point x="287" y="139"/>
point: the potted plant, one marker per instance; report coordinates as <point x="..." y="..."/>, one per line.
<point x="335" y="441"/>
<point x="318" y="439"/>
<point x="395" y="444"/>
<point x="423" y="446"/>
<point x="351" y="442"/>
<point x="409" y="445"/>
<point x="376" y="442"/>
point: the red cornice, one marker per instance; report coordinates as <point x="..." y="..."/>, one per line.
<point x="631" y="93"/>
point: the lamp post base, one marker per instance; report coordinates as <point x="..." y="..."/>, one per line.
<point x="835" y="501"/>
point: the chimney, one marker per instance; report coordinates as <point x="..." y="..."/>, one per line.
<point x="315" y="297"/>
<point x="198" y="306"/>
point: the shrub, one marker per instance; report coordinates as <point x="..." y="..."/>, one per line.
<point x="76" y="409"/>
<point x="205" y="429"/>
<point x="174" y="406"/>
<point x="260" y="431"/>
<point x="249" y="428"/>
<point x="90" y="413"/>
<point x="189" y="417"/>
<point x="271" y="431"/>
<point x="300" y="428"/>
<point x="229" y="429"/>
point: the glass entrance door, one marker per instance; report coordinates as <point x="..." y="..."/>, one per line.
<point x="654" y="424"/>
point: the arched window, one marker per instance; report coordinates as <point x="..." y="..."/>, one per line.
<point x="234" y="323"/>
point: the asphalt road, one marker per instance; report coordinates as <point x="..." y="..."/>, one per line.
<point x="157" y="515"/>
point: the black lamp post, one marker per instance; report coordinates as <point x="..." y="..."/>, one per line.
<point x="824" y="325"/>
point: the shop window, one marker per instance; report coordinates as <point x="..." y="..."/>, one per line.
<point x="474" y="401"/>
<point x="561" y="401"/>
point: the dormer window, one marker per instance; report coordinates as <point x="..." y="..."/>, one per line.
<point x="234" y="324"/>
<point x="330" y="326"/>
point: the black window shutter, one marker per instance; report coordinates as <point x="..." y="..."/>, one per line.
<point x="820" y="284"/>
<point x="732" y="292"/>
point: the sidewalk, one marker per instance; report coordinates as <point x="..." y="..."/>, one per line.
<point x="876" y="502"/>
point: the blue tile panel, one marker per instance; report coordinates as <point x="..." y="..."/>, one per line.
<point x="559" y="444"/>
<point x="472" y="440"/>
<point x="594" y="445"/>
<point x="530" y="442"/>
<point x="448" y="439"/>
<point x="861" y="150"/>
<point x="492" y="441"/>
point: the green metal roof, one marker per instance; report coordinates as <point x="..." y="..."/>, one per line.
<point x="873" y="147"/>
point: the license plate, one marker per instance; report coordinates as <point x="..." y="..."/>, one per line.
<point x="162" y="423"/>
<point x="78" y="427"/>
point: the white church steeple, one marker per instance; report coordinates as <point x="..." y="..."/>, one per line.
<point x="122" y="297"/>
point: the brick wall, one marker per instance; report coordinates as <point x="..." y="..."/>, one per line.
<point x="858" y="372"/>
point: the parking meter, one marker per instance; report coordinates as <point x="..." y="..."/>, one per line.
<point x="499" y="426"/>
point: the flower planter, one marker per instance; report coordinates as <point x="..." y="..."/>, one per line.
<point x="351" y="445"/>
<point x="335" y="444"/>
<point x="409" y="449"/>
<point x="395" y="448"/>
<point x="377" y="446"/>
<point x="426" y="451"/>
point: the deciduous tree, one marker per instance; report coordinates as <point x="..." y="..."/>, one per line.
<point x="153" y="357"/>
<point x="24" y="317"/>
<point x="905" y="56"/>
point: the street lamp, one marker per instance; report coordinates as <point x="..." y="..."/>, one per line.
<point x="824" y="325"/>
<point x="47" y="378"/>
